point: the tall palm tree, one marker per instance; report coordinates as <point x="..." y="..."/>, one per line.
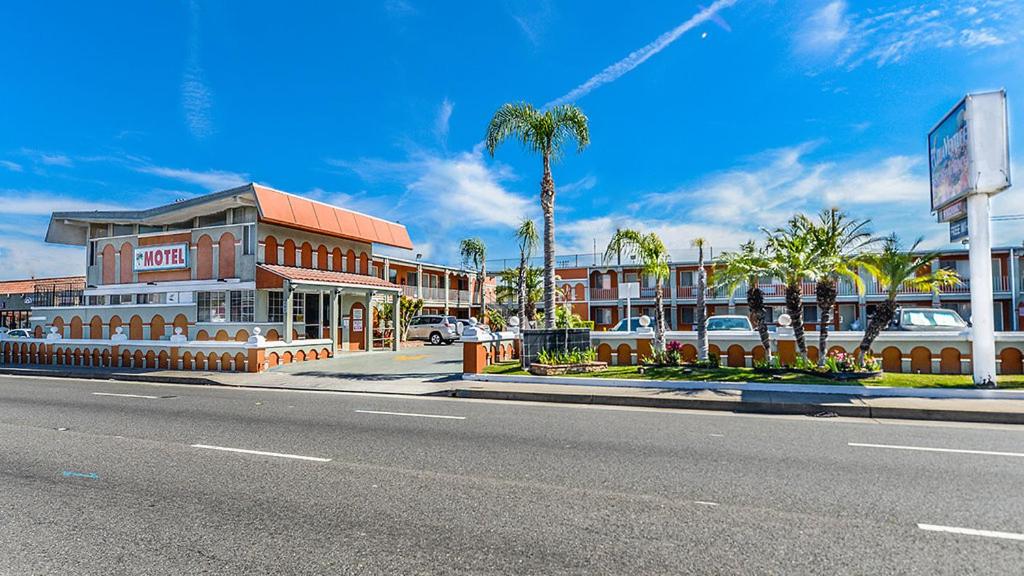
<point x="545" y="132"/>
<point x="792" y="260"/>
<point x="839" y="242"/>
<point x="701" y="317"/>
<point x="533" y="291"/>
<point x="474" y="254"/>
<point x="747" y="267"/>
<point x="650" y="252"/>
<point x="527" y="238"/>
<point x="894" y="268"/>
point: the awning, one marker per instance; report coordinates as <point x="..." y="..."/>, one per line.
<point x="274" y="275"/>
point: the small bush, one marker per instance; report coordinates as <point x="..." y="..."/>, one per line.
<point x="574" y="356"/>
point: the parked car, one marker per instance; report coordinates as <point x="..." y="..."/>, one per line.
<point x="634" y="325"/>
<point x="435" y="328"/>
<point x="18" y="333"/>
<point x="731" y="323"/>
<point x="927" y="320"/>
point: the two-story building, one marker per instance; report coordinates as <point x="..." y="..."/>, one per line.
<point x="218" y="266"/>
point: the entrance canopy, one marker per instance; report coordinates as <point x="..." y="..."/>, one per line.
<point x="274" y="275"/>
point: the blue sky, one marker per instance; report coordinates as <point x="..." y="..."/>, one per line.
<point x="710" y="127"/>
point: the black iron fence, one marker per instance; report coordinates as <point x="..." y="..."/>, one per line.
<point x="58" y="295"/>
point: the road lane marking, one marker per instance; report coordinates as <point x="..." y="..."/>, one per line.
<point x="73" y="474"/>
<point x="126" y="395"/>
<point x="705" y="503"/>
<point x="972" y="532"/>
<point x="926" y="449"/>
<point x="411" y="414"/>
<point x="261" y="453"/>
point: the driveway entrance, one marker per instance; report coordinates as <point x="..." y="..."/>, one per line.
<point x="425" y="363"/>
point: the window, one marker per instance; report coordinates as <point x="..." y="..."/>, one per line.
<point x="218" y="219"/>
<point x="151" y="298"/>
<point x="410" y="278"/>
<point x="119" y="299"/>
<point x="275" y="307"/>
<point x="97" y="300"/>
<point x="243" y="214"/>
<point x="810" y="313"/>
<point x="147" y="229"/>
<point x="299" y="310"/>
<point x="123" y="229"/>
<point x="248" y="240"/>
<point x="686" y="314"/>
<point x="98" y="231"/>
<point x="212" y="307"/>
<point x="606" y="281"/>
<point x="686" y="278"/>
<point x="242" y="305"/>
<point x="604" y="316"/>
<point x="92" y="253"/>
<point x="630" y="277"/>
<point x="393" y="276"/>
<point x="184" y="225"/>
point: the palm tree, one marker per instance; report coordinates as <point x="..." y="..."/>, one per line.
<point x="650" y="251"/>
<point x="792" y="260"/>
<point x="474" y="254"/>
<point x="526" y="236"/>
<point x="508" y="290"/>
<point x="894" y="268"/>
<point x="838" y="244"/>
<point x="701" y="317"/>
<point x="545" y="132"/>
<point x="747" y="266"/>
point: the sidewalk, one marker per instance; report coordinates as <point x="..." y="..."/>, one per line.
<point x="997" y="406"/>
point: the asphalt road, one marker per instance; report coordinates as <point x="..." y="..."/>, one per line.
<point x="94" y="482"/>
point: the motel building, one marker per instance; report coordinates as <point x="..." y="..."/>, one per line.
<point x="222" y="275"/>
<point x="590" y="286"/>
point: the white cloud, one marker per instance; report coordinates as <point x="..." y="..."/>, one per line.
<point x="12" y="166"/>
<point x="399" y="8"/>
<point x="641" y="55"/>
<point x="825" y="29"/>
<point x="533" y="18"/>
<point x="212" y="180"/>
<point x="25" y="258"/>
<point x="39" y="203"/>
<point x="195" y="96"/>
<point x="588" y="182"/>
<point x="886" y="35"/>
<point x="444" y="115"/>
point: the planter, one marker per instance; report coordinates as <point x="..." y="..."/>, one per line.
<point x="534" y="341"/>
<point x="538" y="369"/>
<point x="839" y="376"/>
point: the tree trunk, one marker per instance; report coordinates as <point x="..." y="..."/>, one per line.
<point x="547" y="203"/>
<point x="659" y="325"/>
<point x="884" y="312"/>
<point x="701" y="315"/>
<point x="826" y="294"/>
<point x="795" y="308"/>
<point x="522" y="290"/>
<point x="755" y="300"/>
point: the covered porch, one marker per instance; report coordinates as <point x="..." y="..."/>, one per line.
<point x="330" y="305"/>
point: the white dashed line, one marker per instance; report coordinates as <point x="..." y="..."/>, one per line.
<point x="926" y="449"/>
<point x="705" y="503"/>
<point x="261" y="453"/>
<point x="126" y="395"/>
<point x="411" y="414"/>
<point x="972" y="532"/>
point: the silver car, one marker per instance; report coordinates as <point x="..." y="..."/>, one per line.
<point x="436" y="329"/>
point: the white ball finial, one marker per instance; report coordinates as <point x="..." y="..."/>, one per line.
<point x="785" y="320"/>
<point x="119" y="330"/>
<point x="257" y="331"/>
<point x="645" y="320"/>
<point x="53" y="329"/>
<point x="177" y="330"/>
<point x="513" y="321"/>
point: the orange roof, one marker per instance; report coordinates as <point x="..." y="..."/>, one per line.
<point x="29" y="286"/>
<point x="327" y="276"/>
<point x="285" y="209"/>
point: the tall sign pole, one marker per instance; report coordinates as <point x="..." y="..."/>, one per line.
<point x="969" y="162"/>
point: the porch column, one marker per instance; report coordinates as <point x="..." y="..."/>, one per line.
<point x="419" y="280"/>
<point x="673" y="283"/>
<point x="334" y="319"/>
<point x="289" y="294"/>
<point x="368" y="322"/>
<point x="447" y="287"/>
<point x="396" y="313"/>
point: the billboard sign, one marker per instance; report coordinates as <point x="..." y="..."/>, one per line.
<point x="629" y="290"/>
<point x="164" y="257"/>
<point x="969" y="151"/>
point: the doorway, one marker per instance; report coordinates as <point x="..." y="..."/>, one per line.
<point x="313" y="316"/>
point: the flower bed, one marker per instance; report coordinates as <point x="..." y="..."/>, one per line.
<point x="538" y="369"/>
<point x="838" y="366"/>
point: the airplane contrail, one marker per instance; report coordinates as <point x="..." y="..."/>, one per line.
<point x="639" y="56"/>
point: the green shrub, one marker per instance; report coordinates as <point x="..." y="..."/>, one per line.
<point x="574" y="356"/>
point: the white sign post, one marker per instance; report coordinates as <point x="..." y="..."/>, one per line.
<point x="969" y="157"/>
<point x="629" y="290"/>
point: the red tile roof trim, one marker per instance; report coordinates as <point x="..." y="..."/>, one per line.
<point x="327" y="276"/>
<point x="278" y="207"/>
<point x="29" y="286"/>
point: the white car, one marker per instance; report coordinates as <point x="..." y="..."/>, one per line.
<point x="17" y="333"/>
<point x="729" y="323"/>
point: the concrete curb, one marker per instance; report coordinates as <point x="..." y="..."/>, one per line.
<point x="121" y="376"/>
<point x="774" y="406"/>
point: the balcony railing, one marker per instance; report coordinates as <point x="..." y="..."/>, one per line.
<point x="457" y="296"/>
<point x="604" y="294"/>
